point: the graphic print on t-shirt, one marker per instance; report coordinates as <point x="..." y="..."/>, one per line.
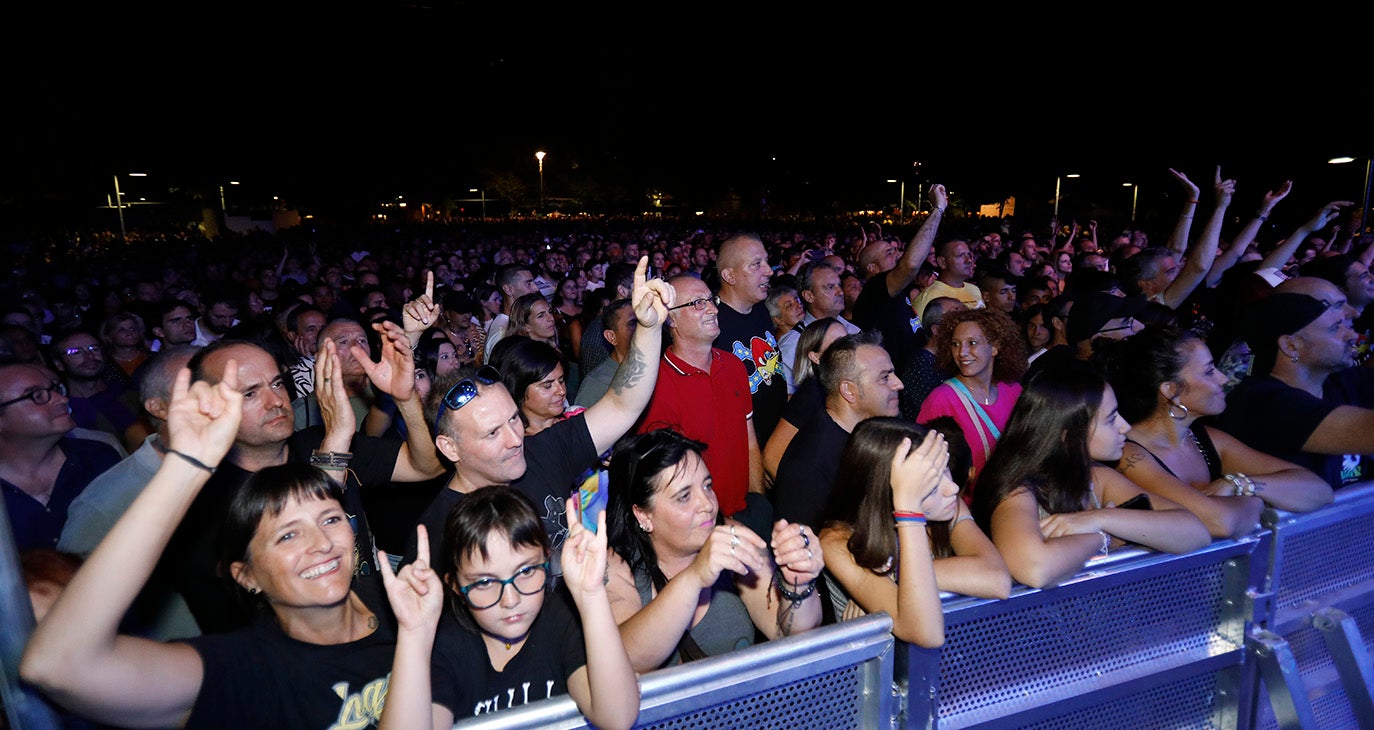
<point x="762" y="354"/>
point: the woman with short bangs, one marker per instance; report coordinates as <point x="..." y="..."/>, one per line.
<point x="1166" y="380"/>
<point x="318" y="653"/>
<point x="533" y="373"/>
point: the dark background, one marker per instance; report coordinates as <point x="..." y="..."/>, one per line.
<point x="811" y="108"/>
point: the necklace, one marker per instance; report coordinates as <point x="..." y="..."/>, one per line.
<point x="1206" y="458"/>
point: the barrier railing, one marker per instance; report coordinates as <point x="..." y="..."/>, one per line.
<point x="836" y="676"/>
<point x="1315" y="631"/>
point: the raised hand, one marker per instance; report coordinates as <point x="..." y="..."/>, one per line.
<point x="416" y="594"/>
<point x="584" y="552"/>
<point x="1326" y="214"/>
<point x="916" y="472"/>
<point x="939" y="199"/>
<point x="1187" y="184"/>
<point x="796" y="549"/>
<point x="651" y="297"/>
<point x="731" y="547"/>
<point x="394" y="374"/>
<point x="1272" y="197"/>
<point x="335" y="409"/>
<point x="203" y="419"/>
<point x="421" y="312"/>
<point x="1224" y="188"/>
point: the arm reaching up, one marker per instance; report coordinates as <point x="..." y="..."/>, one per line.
<point x="1178" y="240"/>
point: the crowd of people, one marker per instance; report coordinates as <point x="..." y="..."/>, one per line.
<point x="299" y="485"/>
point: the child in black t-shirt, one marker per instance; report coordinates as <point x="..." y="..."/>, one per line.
<point x="510" y="638"/>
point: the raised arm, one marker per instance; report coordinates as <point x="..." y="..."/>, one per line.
<point x="1278" y="258"/>
<point x="1241" y="243"/>
<point x="76" y="655"/>
<point x="633" y="383"/>
<point x="605" y="690"/>
<point x="1204" y="251"/>
<point x="394" y="375"/>
<point x="420" y="313"/>
<point x="901" y="276"/>
<point x="417" y="599"/>
<point x="1178" y="240"/>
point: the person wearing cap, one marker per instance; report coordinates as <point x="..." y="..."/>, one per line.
<point x="1300" y="401"/>
<point x="1091" y="314"/>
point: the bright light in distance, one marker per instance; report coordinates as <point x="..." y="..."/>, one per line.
<point x="1339" y="160"/>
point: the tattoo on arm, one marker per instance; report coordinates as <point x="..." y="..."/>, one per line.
<point x="629" y="373"/>
<point x="1129" y="462"/>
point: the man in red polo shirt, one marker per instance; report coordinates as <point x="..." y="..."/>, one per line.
<point x="703" y="392"/>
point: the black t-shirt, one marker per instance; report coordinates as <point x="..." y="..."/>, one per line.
<point x="554" y="459"/>
<point x="804" y="405"/>
<point x="1276" y="418"/>
<point x="920" y="376"/>
<point x="749" y="337"/>
<point x="807" y="471"/>
<point x="465" y="682"/>
<point x="875" y="309"/>
<point x="192" y="556"/>
<point x="258" y="677"/>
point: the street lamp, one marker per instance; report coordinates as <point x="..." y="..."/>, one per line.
<point x="119" y="202"/>
<point x="901" y="197"/>
<point x="1364" y="202"/>
<point x="483" y="191"/>
<point x="1135" y="195"/>
<point x="540" y="157"/>
<point x="1057" y="181"/>
<point x="222" y="208"/>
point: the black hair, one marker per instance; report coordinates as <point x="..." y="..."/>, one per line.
<point x="479" y="515"/>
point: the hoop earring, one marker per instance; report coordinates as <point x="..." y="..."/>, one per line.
<point x="1176" y="404"/>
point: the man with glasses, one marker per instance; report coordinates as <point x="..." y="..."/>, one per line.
<point x="703" y="392"/>
<point x="42" y="467"/>
<point x="477" y="427"/>
<point x="95" y="403"/>
<point x="1091" y="314"/>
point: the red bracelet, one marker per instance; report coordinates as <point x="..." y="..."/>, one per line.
<point x="901" y="513"/>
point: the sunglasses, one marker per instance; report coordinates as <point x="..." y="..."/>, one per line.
<point x="1127" y="323"/>
<point x="464" y="391"/>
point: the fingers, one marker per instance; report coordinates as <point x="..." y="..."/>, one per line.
<point x="641" y="273"/>
<point x="429" y="285"/>
<point x="421" y="543"/>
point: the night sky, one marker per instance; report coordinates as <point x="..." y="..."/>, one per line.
<point x="396" y="98"/>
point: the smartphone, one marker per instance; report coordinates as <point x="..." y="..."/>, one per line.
<point x="592" y="493"/>
<point x="1140" y="501"/>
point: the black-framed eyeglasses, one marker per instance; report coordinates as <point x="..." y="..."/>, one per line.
<point x="465" y="390"/>
<point x="699" y="304"/>
<point x="41" y="396"/>
<point x="487" y="592"/>
<point x="1126" y="324"/>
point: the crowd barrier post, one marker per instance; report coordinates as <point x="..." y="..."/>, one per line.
<point x="1312" y="645"/>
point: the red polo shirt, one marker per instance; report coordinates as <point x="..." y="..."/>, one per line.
<point x="713" y="408"/>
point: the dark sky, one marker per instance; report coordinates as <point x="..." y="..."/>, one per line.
<point x="423" y="99"/>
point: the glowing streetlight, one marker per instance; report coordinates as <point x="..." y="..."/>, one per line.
<point x="1057" y="181"/>
<point x="222" y="208"/>
<point x="1135" y="195"/>
<point x="483" y="191"/>
<point x="119" y="202"/>
<point x="540" y="157"/>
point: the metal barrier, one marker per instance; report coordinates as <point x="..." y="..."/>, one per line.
<point x="833" y="677"/>
<point x="1314" y="634"/>
<point x="1154" y="636"/>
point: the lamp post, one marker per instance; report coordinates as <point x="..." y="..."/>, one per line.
<point x="222" y="207"/>
<point x="901" y="196"/>
<point x="1364" y="201"/>
<point x="1057" y="182"/>
<point x="483" y="191"/>
<point x="1135" y="195"/>
<point x="540" y="157"/>
<point x="119" y="202"/>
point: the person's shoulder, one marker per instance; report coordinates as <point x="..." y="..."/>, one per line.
<point x="95" y="449"/>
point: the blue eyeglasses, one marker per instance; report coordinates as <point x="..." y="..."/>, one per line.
<point x="465" y="390"/>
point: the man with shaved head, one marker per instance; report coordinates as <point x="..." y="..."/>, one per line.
<point x="746" y="329"/>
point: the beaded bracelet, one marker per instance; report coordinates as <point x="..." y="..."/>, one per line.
<point x="1243" y="486"/>
<point x="797" y="596"/>
<point x="1106" y="542"/>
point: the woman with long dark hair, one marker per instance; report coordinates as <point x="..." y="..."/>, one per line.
<point x="1047" y="499"/>
<point x="896" y="479"/>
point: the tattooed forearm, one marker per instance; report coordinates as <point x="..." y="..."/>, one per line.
<point x="630" y="372"/>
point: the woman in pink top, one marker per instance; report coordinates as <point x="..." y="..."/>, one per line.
<point x="985" y="348"/>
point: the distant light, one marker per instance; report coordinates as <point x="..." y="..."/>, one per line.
<point x="1339" y="160"/>
<point x="233" y="182"/>
<point x="700" y="212"/>
<point x="539" y="155"/>
<point x="1073" y="174"/>
<point x="472" y="190"/>
<point x="892" y="181"/>
<point x="138" y="174"/>
<point x="1126" y="185"/>
<point x="402" y="205"/>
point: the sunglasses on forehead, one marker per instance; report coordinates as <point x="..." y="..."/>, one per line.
<point x="464" y="391"/>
